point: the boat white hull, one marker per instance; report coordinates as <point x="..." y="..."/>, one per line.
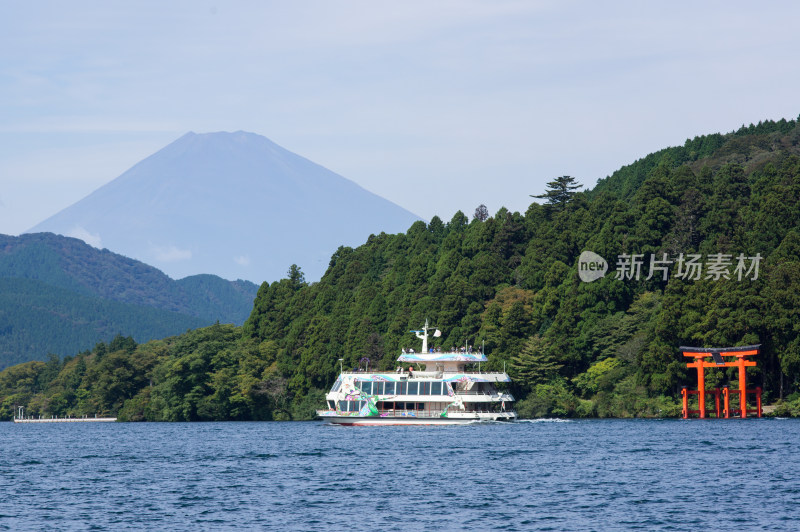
<point x="412" y="420"/>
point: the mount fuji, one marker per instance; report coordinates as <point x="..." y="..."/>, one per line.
<point x="232" y="204"/>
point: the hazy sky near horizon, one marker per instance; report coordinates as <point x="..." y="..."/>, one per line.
<point x="437" y="106"/>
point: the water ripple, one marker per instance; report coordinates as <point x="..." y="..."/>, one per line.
<point x="538" y="475"/>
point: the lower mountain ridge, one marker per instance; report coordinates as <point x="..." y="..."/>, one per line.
<point x="60" y="295"/>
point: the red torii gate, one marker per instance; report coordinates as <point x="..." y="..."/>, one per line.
<point x="716" y="353"/>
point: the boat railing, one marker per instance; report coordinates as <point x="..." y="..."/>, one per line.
<point x="440" y="352"/>
<point x="431" y="374"/>
<point x="445" y="374"/>
<point x="412" y="413"/>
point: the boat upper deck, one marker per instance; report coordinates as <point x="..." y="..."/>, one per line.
<point x="455" y="356"/>
<point x="445" y="376"/>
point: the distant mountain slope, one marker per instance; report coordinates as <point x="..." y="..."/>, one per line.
<point x="37" y="319"/>
<point x="72" y="264"/>
<point x="233" y="204"/>
<point x="61" y="295"/>
<point x="231" y="299"/>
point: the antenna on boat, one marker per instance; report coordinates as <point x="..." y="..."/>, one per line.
<point x="340" y="365"/>
<point x="423" y="335"/>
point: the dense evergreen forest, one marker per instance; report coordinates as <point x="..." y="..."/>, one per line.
<point x="60" y="295"/>
<point x="37" y="318"/>
<point x="728" y="203"/>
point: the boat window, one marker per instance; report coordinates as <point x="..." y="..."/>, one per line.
<point x="412" y="388"/>
<point x="377" y="388"/>
<point x="436" y="388"/>
<point x="400" y="388"/>
<point x="388" y="388"/>
<point x="425" y="388"/>
<point x="420" y="406"/>
<point x="366" y="387"/>
<point x="336" y="385"/>
<point x="331" y="405"/>
<point x="351" y="406"/>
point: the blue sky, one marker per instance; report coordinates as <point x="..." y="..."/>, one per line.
<point x="437" y="106"/>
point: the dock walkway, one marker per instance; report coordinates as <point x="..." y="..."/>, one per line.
<point x="65" y="420"/>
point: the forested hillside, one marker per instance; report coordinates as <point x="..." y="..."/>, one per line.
<point x="703" y="248"/>
<point x="60" y="295"/>
<point x="37" y="319"/>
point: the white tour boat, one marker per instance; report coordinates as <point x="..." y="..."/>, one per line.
<point x="442" y="392"/>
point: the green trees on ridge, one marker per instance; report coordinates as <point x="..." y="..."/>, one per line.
<point x="510" y="283"/>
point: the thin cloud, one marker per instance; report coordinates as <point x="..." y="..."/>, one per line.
<point x="171" y="254"/>
<point x="242" y="260"/>
<point x="92" y="239"/>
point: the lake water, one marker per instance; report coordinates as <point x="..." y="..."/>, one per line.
<point x="539" y="475"/>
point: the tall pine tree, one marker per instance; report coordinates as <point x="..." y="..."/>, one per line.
<point x="560" y="192"/>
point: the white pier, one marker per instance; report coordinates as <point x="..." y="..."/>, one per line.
<point x="20" y="418"/>
<point x="65" y="420"/>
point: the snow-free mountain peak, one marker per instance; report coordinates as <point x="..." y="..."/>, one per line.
<point x="232" y="204"/>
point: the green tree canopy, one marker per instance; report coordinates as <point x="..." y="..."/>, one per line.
<point x="560" y="191"/>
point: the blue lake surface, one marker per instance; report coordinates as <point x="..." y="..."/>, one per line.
<point x="538" y="475"/>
